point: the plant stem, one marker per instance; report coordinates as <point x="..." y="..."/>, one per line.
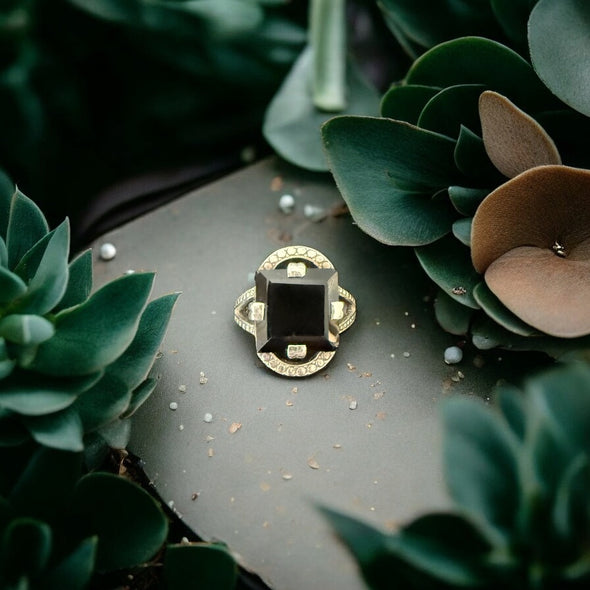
<point x="328" y="44"/>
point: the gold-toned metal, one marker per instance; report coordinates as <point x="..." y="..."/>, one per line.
<point x="297" y="360"/>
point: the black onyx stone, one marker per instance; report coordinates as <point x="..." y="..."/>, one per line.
<point x="297" y="309"/>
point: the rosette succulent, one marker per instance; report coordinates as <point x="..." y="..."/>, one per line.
<point x="73" y="365"/>
<point x="518" y="474"/>
<point x="479" y="153"/>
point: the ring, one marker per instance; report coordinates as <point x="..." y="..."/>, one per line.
<point x="296" y="311"/>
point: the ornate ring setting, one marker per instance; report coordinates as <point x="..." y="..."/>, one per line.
<point x="296" y="311"/>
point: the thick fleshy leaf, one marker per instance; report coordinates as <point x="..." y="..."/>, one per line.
<point x="3" y="252"/>
<point x="134" y="364"/>
<point x="452" y="316"/>
<point x="103" y="403"/>
<point x="139" y="396"/>
<point x="55" y="473"/>
<point x="451" y="108"/>
<point x="511" y="404"/>
<point x="116" y="434"/>
<point x="481" y="465"/>
<point x="292" y="122"/>
<point x="467" y="200"/>
<point x="447" y="263"/>
<point x="75" y="570"/>
<point x="26" y="226"/>
<point x="462" y="230"/>
<point x="62" y="430"/>
<point x="560" y="49"/>
<point x="25" y="548"/>
<point x="51" y="277"/>
<point x="546" y="207"/>
<point x="29" y="263"/>
<point x="7" y="189"/>
<point x="11" y="285"/>
<point x="95" y="333"/>
<point x="513" y="16"/>
<point x="127" y="521"/>
<point x="79" y="282"/>
<point x="474" y="60"/>
<point x="447" y="546"/>
<point x="472" y="160"/>
<point x="514" y="141"/>
<point x="212" y="565"/>
<point x="499" y="313"/>
<point x="405" y="103"/>
<point x="26" y="329"/>
<point x="34" y="395"/>
<point x="387" y="187"/>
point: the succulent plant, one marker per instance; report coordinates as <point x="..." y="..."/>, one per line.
<point x="518" y="473"/>
<point x="73" y="365"/>
<point x="63" y="528"/>
<point x="471" y="114"/>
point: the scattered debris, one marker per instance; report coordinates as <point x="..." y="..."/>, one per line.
<point x="107" y="251"/>
<point x="181" y="427"/>
<point x="353" y="405"/>
<point x="173" y="406"/>
<point x="351" y="367"/>
<point x="194" y="496"/>
<point x="289" y="403"/>
<point x="202" y="378"/>
<point x="287" y="204"/>
<point x="264" y="486"/>
<point x="276" y="184"/>
<point x="287" y="476"/>
<point x="406" y="355"/>
<point x="313" y="463"/>
<point x="234" y="427"/>
<point x="182" y="388"/>
<point x="459" y="290"/>
<point x="208" y="417"/>
<point x="210" y="452"/>
<point x="337" y="446"/>
<point x="314" y="213"/>
<point x="294" y="390"/>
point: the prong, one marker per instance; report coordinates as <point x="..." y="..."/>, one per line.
<point x="296" y="351"/>
<point x="296" y="270"/>
<point x="337" y="310"/>
<point x="256" y="311"/>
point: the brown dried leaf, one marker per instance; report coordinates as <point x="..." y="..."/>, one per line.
<point x="513" y="140"/>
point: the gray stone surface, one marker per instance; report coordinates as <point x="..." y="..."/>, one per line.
<point x="299" y="442"/>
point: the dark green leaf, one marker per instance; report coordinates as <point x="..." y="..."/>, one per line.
<point x="93" y="334"/>
<point x="116" y="434"/>
<point x="127" y="521"/>
<point x="467" y="200"/>
<point x="3" y="252"/>
<point x="134" y="364"/>
<point x="11" y="285"/>
<point x="513" y="16"/>
<point x="405" y="103"/>
<point x="480" y="464"/>
<point x="25" y="548"/>
<point x="30" y="394"/>
<point x="560" y="49"/>
<point x="292" y="123"/>
<point x="75" y="570"/>
<point x="7" y="190"/>
<point x="448" y="263"/>
<point x="499" y="313"/>
<point x="139" y="396"/>
<point x="29" y="263"/>
<point x="387" y="172"/>
<point x="462" y="230"/>
<point x="451" y="108"/>
<point x="475" y="60"/>
<point x="452" y="316"/>
<point x="473" y="161"/>
<point x="26" y="329"/>
<point x="512" y="406"/>
<point x="79" y="282"/>
<point x="211" y="565"/>
<point x="46" y="485"/>
<point x="61" y="430"/>
<point x="103" y="403"/>
<point x="447" y="546"/>
<point x="26" y="226"/>
<point x="51" y="277"/>
<point x="12" y="432"/>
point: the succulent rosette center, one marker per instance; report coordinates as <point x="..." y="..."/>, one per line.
<point x="531" y="239"/>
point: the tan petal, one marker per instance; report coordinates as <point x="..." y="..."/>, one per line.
<point x="537" y="208"/>
<point x="550" y="293"/>
<point x="514" y="141"/>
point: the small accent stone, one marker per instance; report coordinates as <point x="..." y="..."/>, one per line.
<point x="287" y="204"/>
<point x="453" y="355"/>
<point x="173" y="406"/>
<point x="353" y="405"/>
<point x="208" y="418"/>
<point x="108" y="251"/>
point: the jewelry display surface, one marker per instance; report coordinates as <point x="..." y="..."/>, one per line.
<point x="243" y="454"/>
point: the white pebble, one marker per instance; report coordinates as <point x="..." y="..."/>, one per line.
<point x="108" y="251"/>
<point x="208" y="417"/>
<point x="353" y="405"/>
<point x="453" y="355"/>
<point x="287" y="204"/>
<point x="173" y="406"/>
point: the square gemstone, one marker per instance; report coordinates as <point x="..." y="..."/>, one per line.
<point x="298" y="310"/>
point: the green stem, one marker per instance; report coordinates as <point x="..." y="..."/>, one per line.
<point x="328" y="44"/>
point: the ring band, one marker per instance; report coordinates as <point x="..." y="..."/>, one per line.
<point x="296" y="311"/>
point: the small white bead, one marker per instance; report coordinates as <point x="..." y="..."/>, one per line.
<point x="108" y="251"/>
<point x="173" y="406"/>
<point x="453" y="355"/>
<point x="287" y="204"/>
<point x="208" y="417"/>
